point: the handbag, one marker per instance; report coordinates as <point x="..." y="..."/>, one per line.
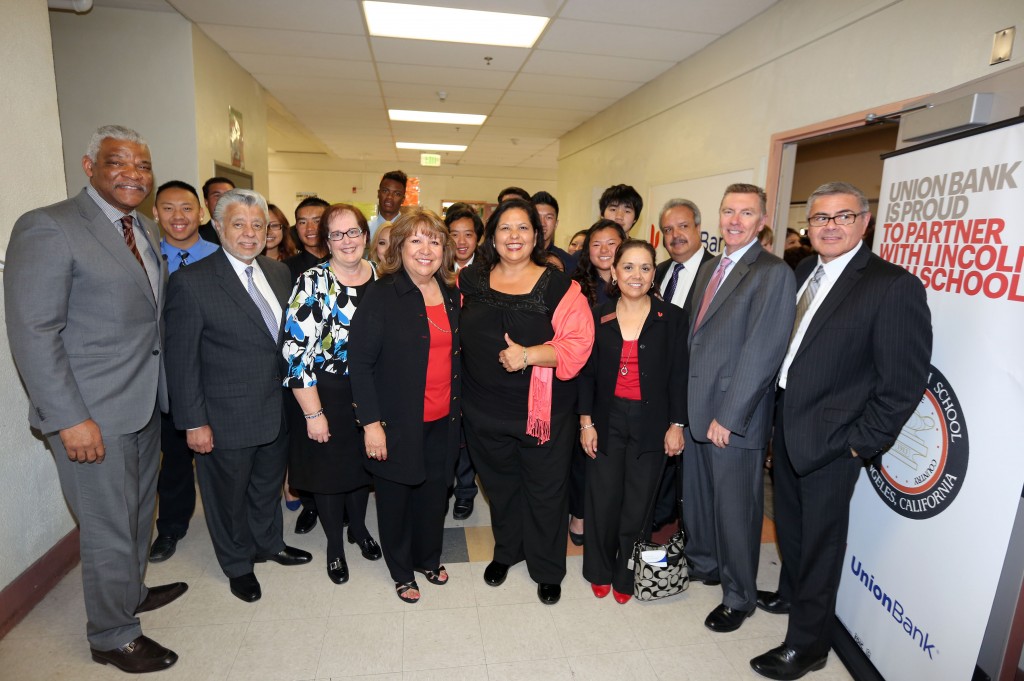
<point x="660" y="570"/>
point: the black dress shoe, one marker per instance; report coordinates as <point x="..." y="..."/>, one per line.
<point x="724" y="619"/>
<point x="368" y="547"/>
<point x="549" y="593"/>
<point x="246" y="587"/>
<point x="337" y="570"/>
<point x="706" y="581"/>
<point x="785" y="664"/>
<point x="771" y="601"/>
<point x="306" y="521"/>
<point x="159" y="596"/>
<point x="463" y="509"/>
<point x="140" y="656"/>
<point x="163" y="548"/>
<point x="287" y="556"/>
<point x="495" y="573"/>
<point x="575" y="538"/>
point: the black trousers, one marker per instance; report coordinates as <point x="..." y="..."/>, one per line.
<point x="333" y="509"/>
<point x="527" y="487"/>
<point x="241" y="491"/>
<point x="812" y="516"/>
<point x="465" y="474"/>
<point x="176" y="486"/>
<point x="411" y="517"/>
<point x="621" y="482"/>
<point x="578" y="480"/>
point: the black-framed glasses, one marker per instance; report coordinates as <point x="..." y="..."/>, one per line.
<point x="275" y="226"/>
<point x="353" y="233"/>
<point x="841" y="219"/>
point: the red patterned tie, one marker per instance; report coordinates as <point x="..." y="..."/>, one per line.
<point x="129" y="238"/>
<point x="712" y="289"/>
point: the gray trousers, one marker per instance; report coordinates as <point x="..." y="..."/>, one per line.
<point x="114" y="502"/>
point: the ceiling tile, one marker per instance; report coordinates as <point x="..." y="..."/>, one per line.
<point x="256" y="64"/>
<point x="595" y="66"/>
<point x="417" y="96"/>
<point x="330" y="16"/>
<point x="565" y="85"/>
<point x="444" y="77"/>
<point x="716" y="17"/>
<point x="290" y="43"/>
<point x="586" y="37"/>
<point x="449" y="55"/>
<point x="589" y="105"/>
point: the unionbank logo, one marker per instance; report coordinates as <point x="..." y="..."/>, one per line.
<point x="892" y="605"/>
<point x="920" y="476"/>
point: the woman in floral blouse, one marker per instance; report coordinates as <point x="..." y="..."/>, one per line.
<point x="327" y="448"/>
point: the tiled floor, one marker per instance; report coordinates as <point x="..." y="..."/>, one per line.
<point x="305" y="627"/>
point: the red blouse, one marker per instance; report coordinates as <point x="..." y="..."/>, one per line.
<point x="628" y="387"/>
<point x="438" y="392"/>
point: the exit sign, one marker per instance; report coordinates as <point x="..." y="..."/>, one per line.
<point x="432" y="160"/>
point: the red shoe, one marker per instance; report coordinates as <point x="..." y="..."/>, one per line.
<point x="621" y="598"/>
<point x="600" y="590"/>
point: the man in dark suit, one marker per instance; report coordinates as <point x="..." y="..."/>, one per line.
<point x="741" y="320"/>
<point x="673" y="279"/>
<point x="856" y="367"/>
<point x="213" y="189"/>
<point x="224" y="375"/>
<point x="83" y="290"/>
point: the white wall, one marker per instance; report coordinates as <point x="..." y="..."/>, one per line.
<point x="132" y="68"/>
<point x="33" y="516"/>
<point x="800" y="62"/>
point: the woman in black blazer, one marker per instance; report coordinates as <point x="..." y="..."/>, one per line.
<point x="632" y="404"/>
<point x="404" y="366"/>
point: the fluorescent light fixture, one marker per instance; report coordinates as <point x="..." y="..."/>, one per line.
<point x="446" y="24"/>
<point x="430" y="147"/>
<point x="436" y="117"/>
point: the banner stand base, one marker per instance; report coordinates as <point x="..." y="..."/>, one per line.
<point x="851" y="655"/>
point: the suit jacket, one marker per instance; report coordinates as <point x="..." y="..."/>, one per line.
<point x="862" y="365"/>
<point x="662" y="271"/>
<point x="736" y="353"/>
<point x="224" y="369"/>
<point x="389" y="342"/>
<point x="662" y="358"/>
<point x="82" y="319"/>
<point x="208" y="232"/>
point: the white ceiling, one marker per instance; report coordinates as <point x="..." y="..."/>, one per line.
<point x="317" y="60"/>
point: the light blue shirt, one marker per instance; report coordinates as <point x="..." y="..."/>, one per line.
<point x="194" y="253"/>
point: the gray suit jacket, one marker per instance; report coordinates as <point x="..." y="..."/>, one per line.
<point x="736" y="353"/>
<point x="224" y="369"/>
<point x="82" y="320"/>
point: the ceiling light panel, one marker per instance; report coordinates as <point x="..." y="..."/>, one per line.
<point x="426" y="146"/>
<point x="436" y="117"/>
<point x="445" y="24"/>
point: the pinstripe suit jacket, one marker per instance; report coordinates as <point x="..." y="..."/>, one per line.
<point x="862" y="365"/>
<point x="224" y="370"/>
<point x="736" y="353"/>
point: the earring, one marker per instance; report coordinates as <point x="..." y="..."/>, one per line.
<point x="615" y="282"/>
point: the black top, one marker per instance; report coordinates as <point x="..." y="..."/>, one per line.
<point x="209" y="233"/>
<point x="301" y="262"/>
<point x="487" y="315"/>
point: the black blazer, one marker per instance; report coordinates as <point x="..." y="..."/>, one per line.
<point x="664" y="365"/>
<point x="662" y="271"/>
<point x="388" y="347"/>
<point x="223" y="368"/>
<point x="862" y="365"/>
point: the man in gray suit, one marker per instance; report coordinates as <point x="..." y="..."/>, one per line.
<point x="224" y="374"/>
<point x="742" y="315"/>
<point x="84" y="288"/>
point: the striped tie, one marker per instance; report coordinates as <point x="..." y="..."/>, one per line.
<point x="268" y="315"/>
<point x="129" y="238"/>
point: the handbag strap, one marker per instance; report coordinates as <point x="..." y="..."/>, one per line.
<point x="645" y="528"/>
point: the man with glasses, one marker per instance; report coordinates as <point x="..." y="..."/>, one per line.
<point x="856" y="367"/>
<point x="390" y="195"/>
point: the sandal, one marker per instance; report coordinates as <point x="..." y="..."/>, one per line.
<point x="401" y="588"/>
<point x="438" y="576"/>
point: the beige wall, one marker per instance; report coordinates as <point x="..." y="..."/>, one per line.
<point x="221" y="83"/>
<point x="33" y="516"/>
<point x="800" y="62"/>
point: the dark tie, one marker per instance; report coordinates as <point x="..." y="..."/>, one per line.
<point x="268" y="315"/>
<point x="804" y="303"/>
<point x="670" y="290"/>
<point x="184" y="258"/>
<point x="129" y="238"/>
<point x="712" y="289"/>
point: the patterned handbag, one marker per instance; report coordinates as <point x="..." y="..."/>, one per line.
<point x="660" y="570"/>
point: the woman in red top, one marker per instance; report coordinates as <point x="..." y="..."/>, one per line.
<point x="632" y="405"/>
<point x="404" y="366"/>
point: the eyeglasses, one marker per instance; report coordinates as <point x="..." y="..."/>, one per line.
<point x="275" y="226"/>
<point x="353" y="233"/>
<point x="391" y="192"/>
<point x="841" y="219"/>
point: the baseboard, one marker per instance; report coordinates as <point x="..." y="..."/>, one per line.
<point x="32" y="585"/>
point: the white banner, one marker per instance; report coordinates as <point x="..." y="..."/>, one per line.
<point x="929" y="526"/>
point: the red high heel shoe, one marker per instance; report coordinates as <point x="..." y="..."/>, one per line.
<point x="621" y="599"/>
<point x="600" y="590"/>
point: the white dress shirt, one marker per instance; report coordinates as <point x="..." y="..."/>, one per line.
<point x="259" y="279"/>
<point x="686" y="277"/>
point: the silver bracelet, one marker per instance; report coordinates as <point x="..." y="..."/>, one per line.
<point x="589" y="425"/>
<point x="679" y="425"/>
<point x="315" y="414"/>
<point x="525" y="362"/>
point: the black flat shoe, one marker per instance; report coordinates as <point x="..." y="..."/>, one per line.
<point x="306" y="521"/>
<point x="724" y="619"/>
<point x="368" y="547"/>
<point x="785" y="664"/>
<point x="163" y="548"/>
<point x="287" y="556"/>
<point x="141" y="656"/>
<point x="576" y="539"/>
<point x="495" y="573"/>
<point x="771" y="601"/>
<point x="246" y="587"/>
<point x="337" y="570"/>
<point x="463" y="509"/>
<point x="549" y="593"/>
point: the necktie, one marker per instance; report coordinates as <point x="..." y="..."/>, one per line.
<point x="804" y="303"/>
<point x="184" y="258"/>
<point x="268" y="315"/>
<point x="129" y="238"/>
<point x="712" y="289"/>
<point x="670" y="290"/>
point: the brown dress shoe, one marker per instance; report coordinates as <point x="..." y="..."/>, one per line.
<point x="141" y="656"/>
<point x="159" y="596"/>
